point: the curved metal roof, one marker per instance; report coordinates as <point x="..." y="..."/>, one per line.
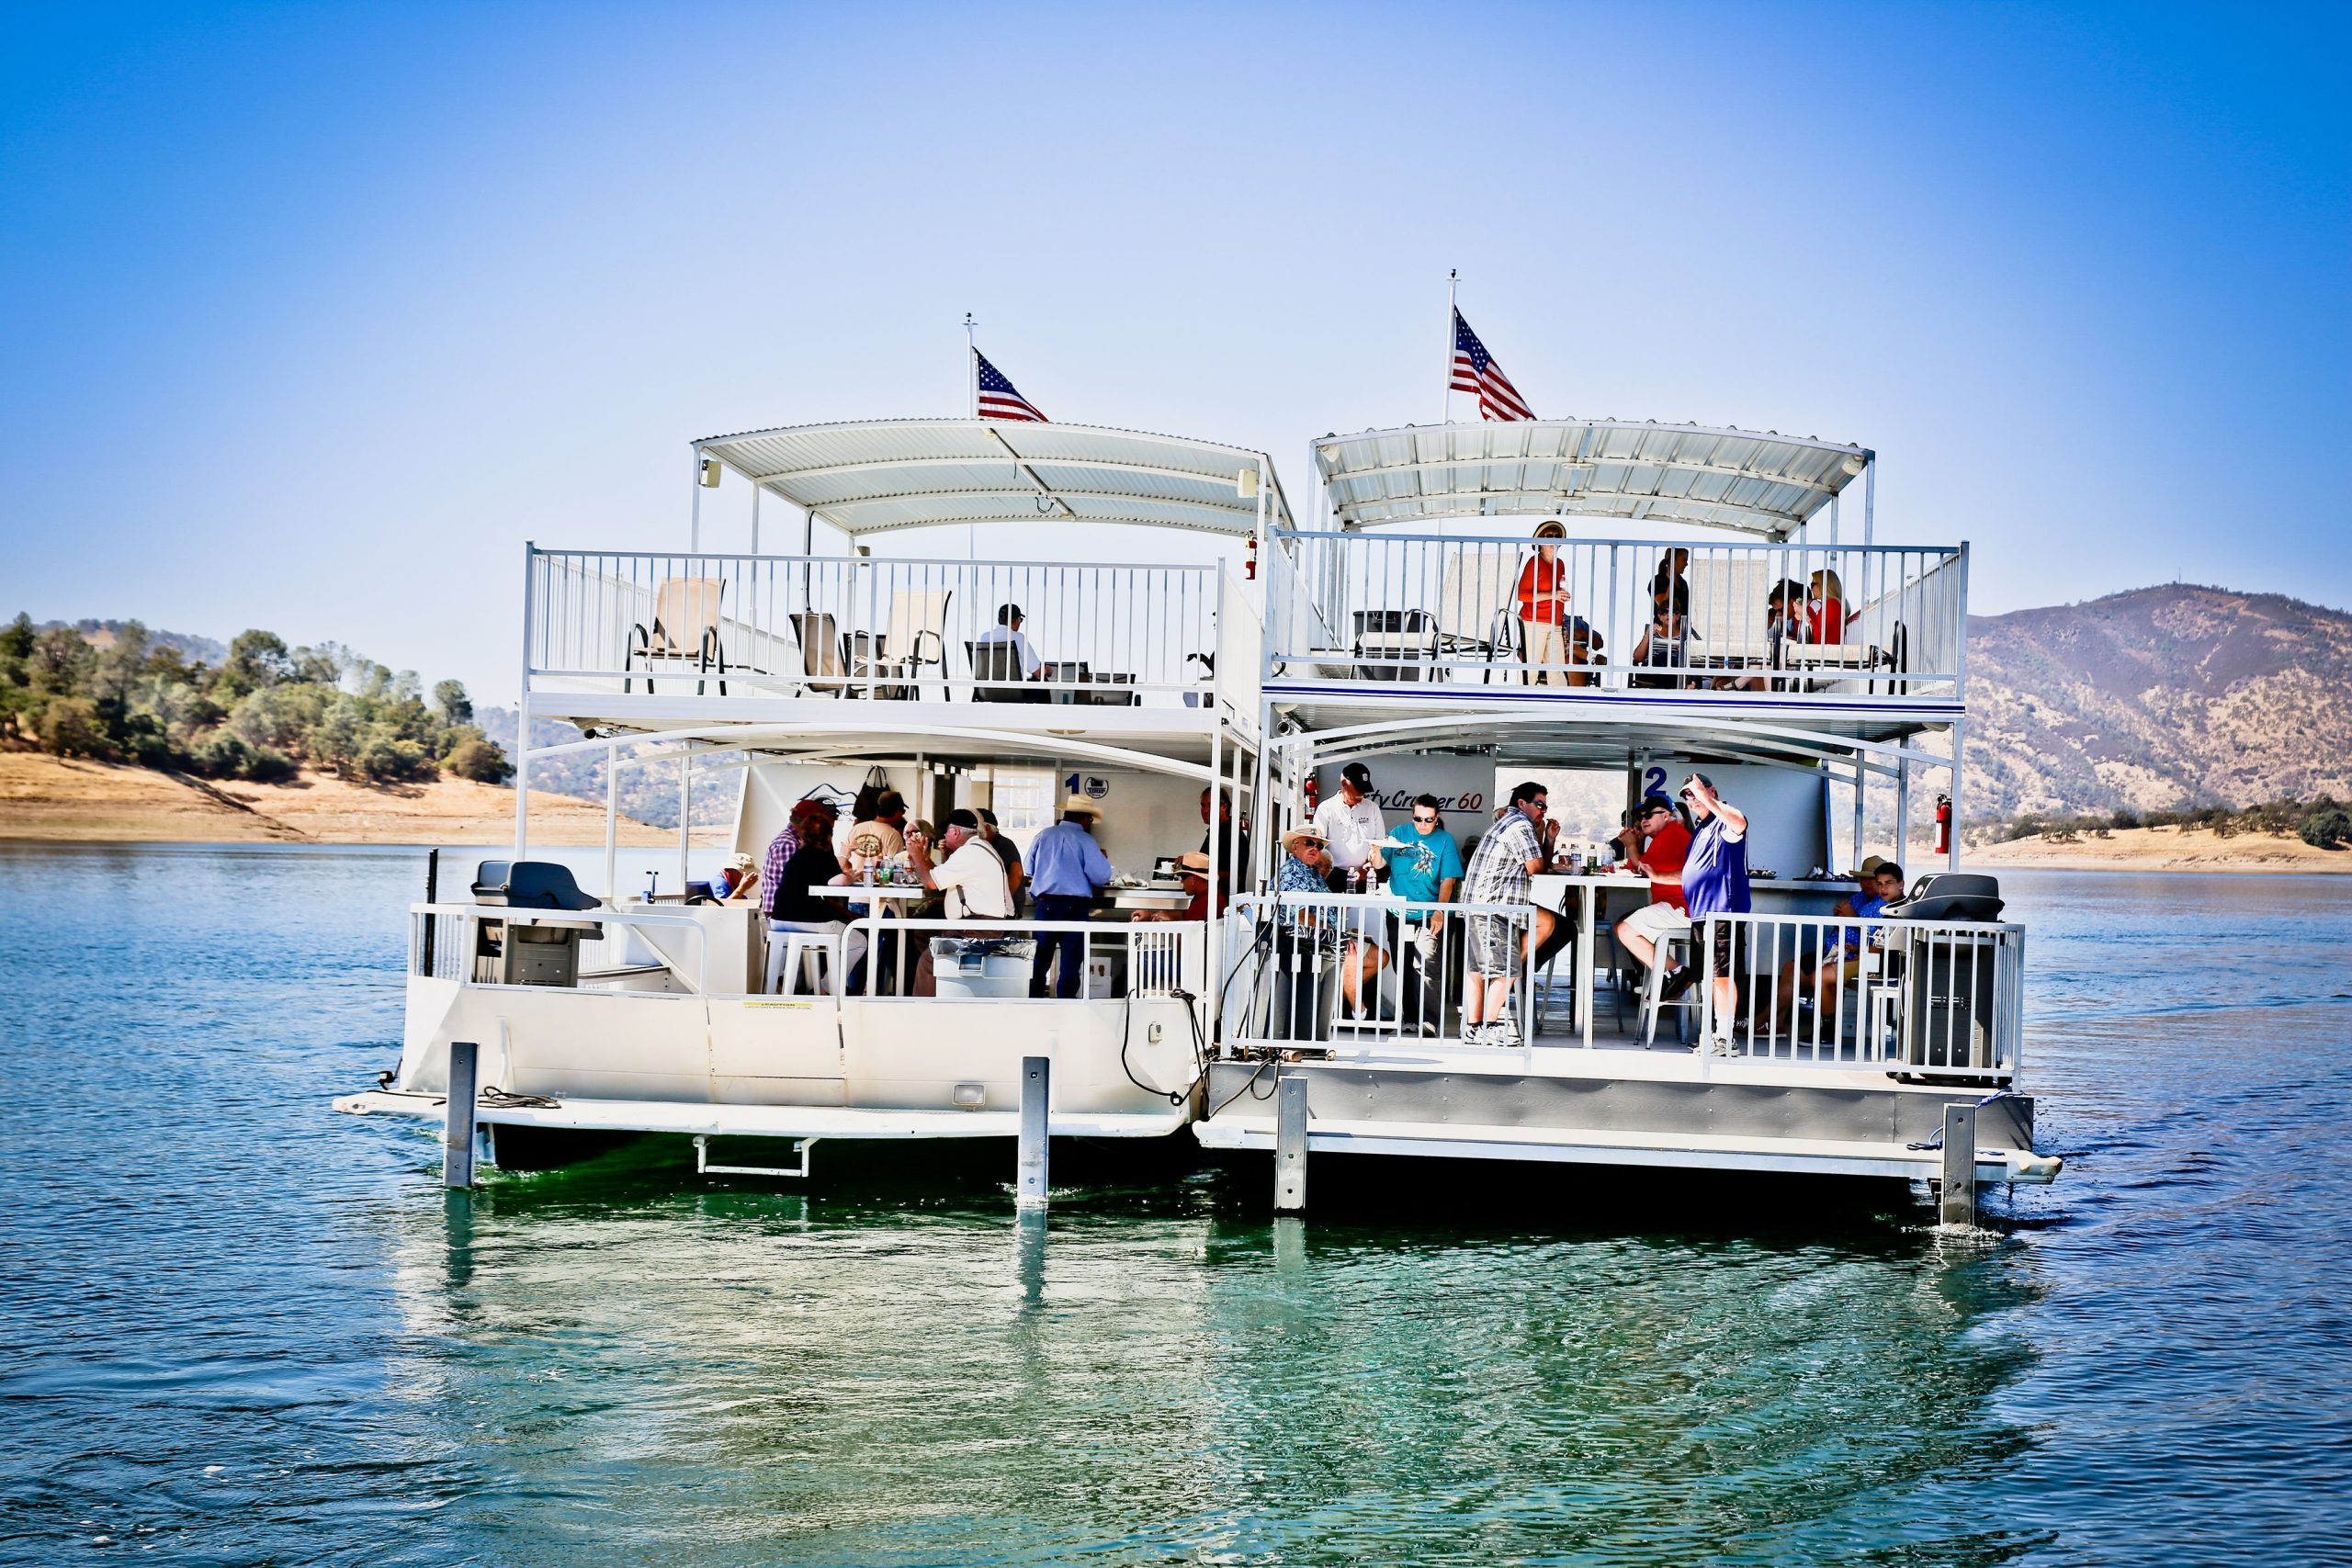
<point x="872" y="476"/>
<point x="1756" y="482"/>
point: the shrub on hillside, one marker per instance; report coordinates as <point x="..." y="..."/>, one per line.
<point x="70" y="727"/>
<point x="475" y="757"/>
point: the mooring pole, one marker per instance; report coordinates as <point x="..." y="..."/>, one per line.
<point x="1036" y="1086"/>
<point x="1290" y="1144"/>
<point x="1959" y="1165"/>
<point x="457" y="1130"/>
<point x="432" y="895"/>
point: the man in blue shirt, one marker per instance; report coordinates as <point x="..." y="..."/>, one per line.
<point x="1424" y="869"/>
<point x="1714" y="882"/>
<point x="1065" y="867"/>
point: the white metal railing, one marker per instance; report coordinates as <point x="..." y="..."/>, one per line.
<point x="1885" y="621"/>
<point x="1937" y="998"/>
<point x="1320" y="970"/>
<point x="445" y="943"/>
<point x="861" y="626"/>
<point x="993" y="959"/>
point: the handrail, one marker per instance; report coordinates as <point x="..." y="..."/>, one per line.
<point x="868" y="626"/>
<point x="1131" y="934"/>
<point x="601" y="916"/>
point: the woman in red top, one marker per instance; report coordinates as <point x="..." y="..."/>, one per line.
<point x="1543" y="605"/>
<point x="1824" y="608"/>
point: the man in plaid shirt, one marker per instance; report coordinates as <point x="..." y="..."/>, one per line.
<point x="1508" y="854"/>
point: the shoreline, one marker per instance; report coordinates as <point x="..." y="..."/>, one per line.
<point x="56" y="800"/>
<point x="2155" y="849"/>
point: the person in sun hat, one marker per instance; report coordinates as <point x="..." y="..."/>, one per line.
<point x="1307" y="868"/>
<point x="1067" y="869"/>
<point x="736" y="878"/>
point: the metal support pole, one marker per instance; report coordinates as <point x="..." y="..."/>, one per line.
<point x="755" y="519"/>
<point x="1903" y="811"/>
<point x="694" y="527"/>
<point x="685" y="815"/>
<point x="1959" y="1165"/>
<point x="457" y="1130"/>
<point x="1869" y="500"/>
<point x="523" y="720"/>
<point x="1958" y="740"/>
<point x="1861" y="787"/>
<point x="1036" y="1089"/>
<point x="613" y="823"/>
<point x="432" y="895"/>
<point x="1290" y="1144"/>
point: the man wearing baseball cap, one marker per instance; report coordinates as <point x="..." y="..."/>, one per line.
<point x="1353" y="827"/>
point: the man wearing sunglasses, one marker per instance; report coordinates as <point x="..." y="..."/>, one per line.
<point x="1425" y="869"/>
<point x="1509" y="853"/>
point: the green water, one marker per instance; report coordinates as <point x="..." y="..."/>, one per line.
<point x="236" y="1328"/>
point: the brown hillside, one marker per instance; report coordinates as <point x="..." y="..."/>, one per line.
<point x="2159" y="697"/>
<point x="52" y="798"/>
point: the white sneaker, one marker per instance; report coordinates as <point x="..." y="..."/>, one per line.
<point x="1720" y="1045"/>
<point x="1503" y="1034"/>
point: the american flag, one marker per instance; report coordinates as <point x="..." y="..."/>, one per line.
<point x="1474" y="370"/>
<point x="998" y="398"/>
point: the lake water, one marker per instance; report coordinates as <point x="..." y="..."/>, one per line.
<point x="236" y="1328"/>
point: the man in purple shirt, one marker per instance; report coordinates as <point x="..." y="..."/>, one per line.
<point x="1714" y="882"/>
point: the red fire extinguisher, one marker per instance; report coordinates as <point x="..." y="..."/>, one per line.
<point x="1250" y="560"/>
<point x="1314" y="793"/>
<point x="1943" y="824"/>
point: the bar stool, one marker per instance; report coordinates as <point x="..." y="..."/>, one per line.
<point x="803" y="955"/>
<point x="1685" y="1005"/>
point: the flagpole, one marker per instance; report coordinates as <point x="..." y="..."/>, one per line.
<point x="971" y="366"/>
<point x="1452" y="274"/>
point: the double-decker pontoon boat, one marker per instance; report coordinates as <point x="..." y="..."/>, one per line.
<point x="1800" y="669"/>
<point x="782" y="676"/>
<point x="1811" y="677"/>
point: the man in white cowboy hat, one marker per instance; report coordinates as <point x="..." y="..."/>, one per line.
<point x="1066" y="868"/>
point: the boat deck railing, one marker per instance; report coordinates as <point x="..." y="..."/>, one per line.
<point x="1939" y="999"/>
<point x="880" y="629"/>
<point x="1884" y="622"/>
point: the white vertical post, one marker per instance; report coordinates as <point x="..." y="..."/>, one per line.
<point x="755" y="519"/>
<point x="613" y="823"/>
<point x="1215" y="947"/>
<point x="685" y="811"/>
<point x="694" y="526"/>
<point x="1869" y="498"/>
<point x="1903" y="811"/>
<point x="1032" y="1172"/>
<point x="457" y="1127"/>
<point x="1833" y="518"/>
<point x="522" y="718"/>
<point x="1959" y="744"/>
<point x="1290" y="1144"/>
<point x="1862" y="785"/>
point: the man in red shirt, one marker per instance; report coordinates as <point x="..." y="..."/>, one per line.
<point x="1654" y="845"/>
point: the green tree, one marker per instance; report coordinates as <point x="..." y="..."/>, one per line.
<point x="2328" y="830"/>
<point x="449" y="700"/>
<point x="16" y="638"/>
<point x="257" y="658"/>
<point x="70" y="726"/>
<point x="475" y="757"/>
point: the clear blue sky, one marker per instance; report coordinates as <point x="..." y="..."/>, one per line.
<point x="309" y="316"/>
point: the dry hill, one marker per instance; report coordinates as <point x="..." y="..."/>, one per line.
<point x="2157" y="698"/>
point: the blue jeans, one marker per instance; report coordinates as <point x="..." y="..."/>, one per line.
<point x="1072" y="945"/>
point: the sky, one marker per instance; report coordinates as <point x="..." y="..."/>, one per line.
<point x="310" y="316"/>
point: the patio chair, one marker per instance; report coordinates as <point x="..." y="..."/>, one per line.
<point x="1404" y="641"/>
<point x="892" y="663"/>
<point x="684" y="631"/>
<point x="824" y="657"/>
<point x="997" y="675"/>
<point x="1731" y="621"/>
<point x="1473" y="609"/>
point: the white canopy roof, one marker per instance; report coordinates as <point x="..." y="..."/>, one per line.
<point x="870" y="477"/>
<point x="1758" y="483"/>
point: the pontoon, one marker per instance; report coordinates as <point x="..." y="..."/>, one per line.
<point x="1392" y="636"/>
<point x="779" y="676"/>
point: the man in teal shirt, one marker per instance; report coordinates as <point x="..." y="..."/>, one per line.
<point x="1425" y="869"/>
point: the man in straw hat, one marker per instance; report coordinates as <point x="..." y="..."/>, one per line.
<point x="1314" y="934"/>
<point x="1066" y="868"/>
<point x="1192" y="870"/>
